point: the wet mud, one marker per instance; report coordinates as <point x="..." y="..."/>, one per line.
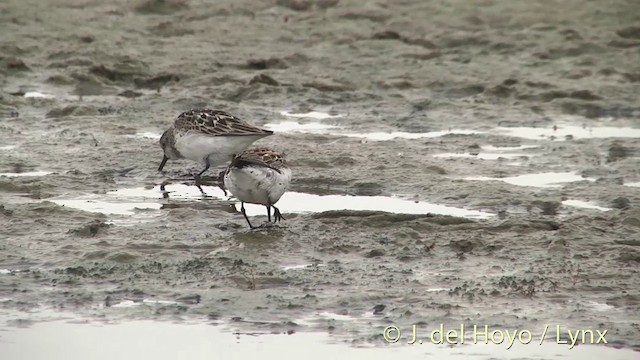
<point x="453" y="162"/>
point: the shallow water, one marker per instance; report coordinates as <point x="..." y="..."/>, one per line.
<point x="584" y="205"/>
<point x="384" y="136"/>
<point x="482" y="156"/>
<point x="296" y="202"/>
<point x="559" y="133"/>
<point x="543" y="180"/>
<point x="565" y="132"/>
<point x="507" y="148"/>
<point x="292" y="126"/>
<point x="312" y="115"/>
<point x="554" y="134"/>
<point x="131" y="303"/>
<point x="112" y="207"/>
<point x="146" y="135"/>
<point x="329" y="129"/>
<point x="77" y="338"/>
<point x="37" y="94"/>
<point x="300" y="267"/>
<point x="28" y="173"/>
<point x="301" y="202"/>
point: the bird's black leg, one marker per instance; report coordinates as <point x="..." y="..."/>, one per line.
<point x="244" y="212"/>
<point x="221" y="187"/>
<point x="164" y="161"/>
<point x="277" y="216"/>
<point x="165" y="193"/>
<point x="269" y="213"/>
<point x="206" y="162"/>
<point x="221" y="182"/>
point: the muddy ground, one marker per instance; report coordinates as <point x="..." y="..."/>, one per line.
<point x="120" y="68"/>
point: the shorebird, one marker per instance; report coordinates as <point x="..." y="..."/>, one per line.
<point x="258" y="176"/>
<point x="210" y="137"/>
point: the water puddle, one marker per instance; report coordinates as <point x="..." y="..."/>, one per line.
<point x="131" y="303"/>
<point x="125" y="304"/>
<point x="16" y="269"/>
<point x="600" y="306"/>
<point x="37" y="94"/>
<point x="568" y="132"/>
<point x="514" y="163"/>
<point x="301" y="267"/>
<point x="333" y="316"/>
<point x="124" y="213"/>
<point x="312" y="114"/>
<point x="438" y="289"/>
<point x="482" y="156"/>
<point x="383" y="136"/>
<point x="74" y="338"/>
<point x="55" y="93"/>
<point x="491" y="152"/>
<point x="145" y="135"/>
<point x="543" y="180"/>
<point x="321" y="318"/>
<point x="303" y="202"/>
<point x="296" y="202"/>
<point x="584" y="205"/>
<point x="31" y="173"/>
<point x="292" y="126"/>
<point x="328" y="129"/>
<point x="159" y="302"/>
<point x="171" y="191"/>
<point x="507" y="148"/>
<point x="107" y="207"/>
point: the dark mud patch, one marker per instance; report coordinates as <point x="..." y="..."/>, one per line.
<point x="161" y="7"/>
<point x="91" y="229"/>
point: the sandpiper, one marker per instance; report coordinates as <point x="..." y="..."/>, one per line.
<point x="258" y="176"/>
<point x="210" y="137"/>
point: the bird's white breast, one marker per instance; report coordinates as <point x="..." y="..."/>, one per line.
<point x="197" y="146"/>
<point x="257" y="184"/>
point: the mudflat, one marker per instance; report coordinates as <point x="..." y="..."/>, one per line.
<point x="454" y="162"/>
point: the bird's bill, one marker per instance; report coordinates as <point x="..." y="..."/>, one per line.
<point x="164" y="161"/>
